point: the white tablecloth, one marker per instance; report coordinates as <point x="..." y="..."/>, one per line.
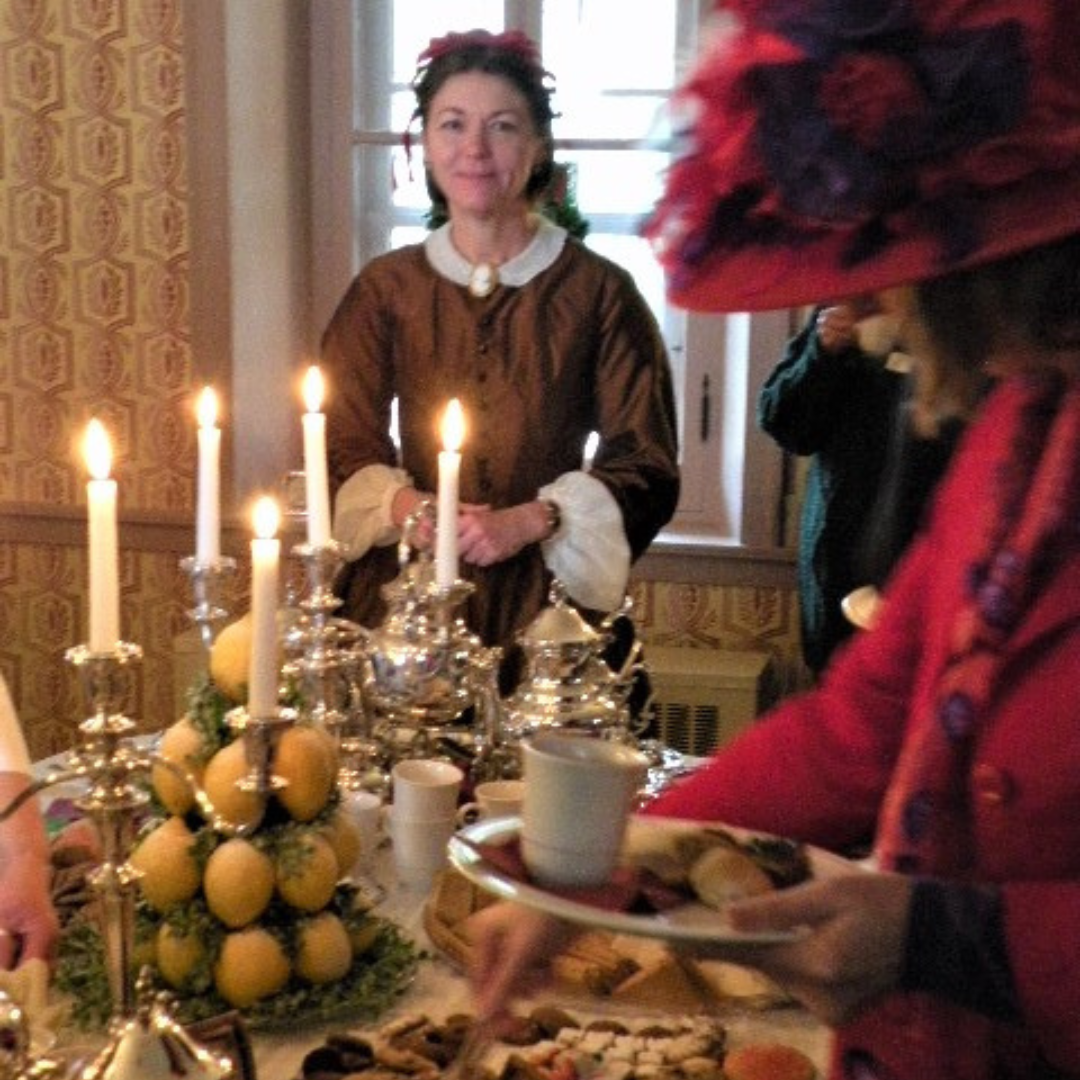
<point x="440" y="990"/>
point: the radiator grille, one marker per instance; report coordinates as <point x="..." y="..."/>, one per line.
<point x="702" y="697"/>
<point x="691" y="729"/>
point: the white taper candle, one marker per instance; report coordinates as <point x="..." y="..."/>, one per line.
<point x="315" y="477"/>
<point x="263" y="672"/>
<point x="446" y="540"/>
<point x="103" y="547"/>
<point x="208" y="510"/>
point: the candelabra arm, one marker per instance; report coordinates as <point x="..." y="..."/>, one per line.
<point x="35" y="787"/>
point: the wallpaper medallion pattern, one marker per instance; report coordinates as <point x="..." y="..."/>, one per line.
<point x="93" y="322"/>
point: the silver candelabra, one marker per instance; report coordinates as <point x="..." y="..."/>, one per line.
<point x="108" y="759"/>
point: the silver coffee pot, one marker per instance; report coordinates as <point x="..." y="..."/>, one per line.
<point x="567" y="683"/>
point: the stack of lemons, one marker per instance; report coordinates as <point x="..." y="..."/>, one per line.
<point x="249" y="914"/>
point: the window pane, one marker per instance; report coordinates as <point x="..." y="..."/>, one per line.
<point x="632" y="115"/>
<point x="616" y="181"/>
<point x="639" y="50"/>
<point x="407" y="234"/>
<point x="416" y="22"/>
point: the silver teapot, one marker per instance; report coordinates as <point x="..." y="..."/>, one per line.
<point x="417" y="662"/>
<point x="567" y="683"/>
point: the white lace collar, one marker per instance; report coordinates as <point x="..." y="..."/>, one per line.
<point x="543" y="250"/>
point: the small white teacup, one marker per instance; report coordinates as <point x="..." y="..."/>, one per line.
<point x="426" y="789"/>
<point x="365" y="810"/>
<point x="419" y="848"/>
<point x="494" y="799"/>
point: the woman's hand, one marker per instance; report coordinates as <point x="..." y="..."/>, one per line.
<point x="29" y="926"/>
<point x="836" y="327"/>
<point x="513" y="947"/>
<point x="853" y="948"/>
<point x="487" y="536"/>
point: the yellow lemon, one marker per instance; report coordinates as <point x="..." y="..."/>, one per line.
<point x="324" y="952"/>
<point x="220" y="782"/>
<point x="169" y="872"/>
<point x="344" y="838"/>
<point x="305" y="760"/>
<point x="251" y="965"/>
<point x="307" y="872"/>
<point x="183" y="745"/>
<point x="330" y="743"/>
<point x="178" y="954"/>
<point x="230" y="658"/>
<point x="238" y="882"/>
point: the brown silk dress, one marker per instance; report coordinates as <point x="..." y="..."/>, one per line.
<point x="537" y="368"/>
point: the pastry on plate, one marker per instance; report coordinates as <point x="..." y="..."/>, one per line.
<point x="723" y="874"/>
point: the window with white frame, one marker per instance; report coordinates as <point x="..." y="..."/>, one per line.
<point x="615" y="66"/>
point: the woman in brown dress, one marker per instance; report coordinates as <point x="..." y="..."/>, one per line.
<point x="542" y="340"/>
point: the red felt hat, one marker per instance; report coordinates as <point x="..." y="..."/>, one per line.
<point x="837" y="147"/>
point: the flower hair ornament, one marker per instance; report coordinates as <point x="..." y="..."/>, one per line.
<point x="512" y="41"/>
<point x="835" y="148"/>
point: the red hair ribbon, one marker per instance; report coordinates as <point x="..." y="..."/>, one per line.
<point x="509" y="40"/>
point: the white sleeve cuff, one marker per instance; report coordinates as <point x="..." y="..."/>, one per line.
<point x="362" y="509"/>
<point x="590" y="553"/>
<point x="14" y="755"/>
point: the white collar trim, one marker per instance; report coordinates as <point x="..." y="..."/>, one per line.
<point x="544" y="248"/>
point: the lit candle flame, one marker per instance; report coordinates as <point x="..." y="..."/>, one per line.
<point x="453" y="426"/>
<point x="265" y="518"/>
<point x="313" y="389"/>
<point x="207" y="408"/>
<point x="97" y="451"/>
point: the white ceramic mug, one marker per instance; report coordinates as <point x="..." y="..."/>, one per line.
<point x="419" y="848"/>
<point x="579" y="791"/>
<point x="494" y="799"/>
<point x="426" y="789"/>
<point x="365" y="810"/>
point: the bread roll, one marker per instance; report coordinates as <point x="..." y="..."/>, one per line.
<point x="723" y="874"/>
<point x="668" y="853"/>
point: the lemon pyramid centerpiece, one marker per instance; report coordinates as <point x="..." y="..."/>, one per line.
<point x="245" y="896"/>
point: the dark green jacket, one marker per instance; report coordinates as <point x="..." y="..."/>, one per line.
<point x="841" y="410"/>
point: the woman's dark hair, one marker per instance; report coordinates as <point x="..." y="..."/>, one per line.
<point x="512" y="57"/>
<point x="1028" y="299"/>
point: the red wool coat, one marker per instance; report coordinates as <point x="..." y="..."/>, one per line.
<point x="819" y="766"/>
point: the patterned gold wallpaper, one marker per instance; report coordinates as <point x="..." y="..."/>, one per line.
<point x="95" y="320"/>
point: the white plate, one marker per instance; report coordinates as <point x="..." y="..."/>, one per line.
<point x="688" y="923"/>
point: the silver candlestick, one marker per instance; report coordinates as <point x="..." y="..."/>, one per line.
<point x="207" y="585"/>
<point x="107" y="758"/>
<point x="324" y="665"/>
<point x="260" y="735"/>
